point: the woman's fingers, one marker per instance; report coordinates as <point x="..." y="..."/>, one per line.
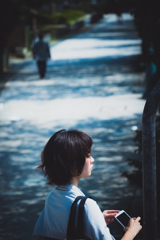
<point x="112" y="211"/>
<point x="138" y="219"/>
<point x="109" y="215"/>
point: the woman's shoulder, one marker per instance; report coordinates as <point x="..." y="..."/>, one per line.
<point x="91" y="202"/>
<point x="95" y="225"/>
<point x="92" y="207"/>
<point x="63" y="194"/>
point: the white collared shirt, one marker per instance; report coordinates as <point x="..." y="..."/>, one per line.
<point x="54" y="218"/>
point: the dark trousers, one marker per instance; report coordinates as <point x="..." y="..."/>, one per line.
<point x="41" y="68"/>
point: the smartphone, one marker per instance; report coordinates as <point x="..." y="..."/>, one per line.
<point x="123" y="218"/>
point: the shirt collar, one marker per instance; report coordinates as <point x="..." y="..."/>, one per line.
<point x="69" y="187"/>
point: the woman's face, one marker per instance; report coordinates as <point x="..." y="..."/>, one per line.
<point x="88" y="166"/>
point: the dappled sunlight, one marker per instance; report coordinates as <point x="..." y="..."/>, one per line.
<point x="74" y="86"/>
<point x="83" y="44"/>
<point x="106" y="159"/>
<point x="34" y="180"/>
<point x="95" y="51"/>
<point x="113" y="17"/>
<point x="99" y="44"/>
<point x="55" y="111"/>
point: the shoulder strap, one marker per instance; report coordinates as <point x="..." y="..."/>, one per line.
<point x="80" y="224"/>
<point x="72" y="231"/>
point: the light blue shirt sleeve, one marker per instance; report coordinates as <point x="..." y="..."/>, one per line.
<point x="95" y="225"/>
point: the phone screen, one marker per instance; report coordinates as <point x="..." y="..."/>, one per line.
<point x="124" y="219"/>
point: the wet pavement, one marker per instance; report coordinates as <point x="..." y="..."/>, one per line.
<point x="94" y="83"/>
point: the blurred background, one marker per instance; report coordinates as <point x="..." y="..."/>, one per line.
<point x="105" y="60"/>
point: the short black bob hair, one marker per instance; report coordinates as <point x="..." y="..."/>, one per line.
<point x="64" y="156"/>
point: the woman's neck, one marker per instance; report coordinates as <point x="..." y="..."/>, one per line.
<point x="74" y="181"/>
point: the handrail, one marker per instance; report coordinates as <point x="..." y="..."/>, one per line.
<point x="149" y="164"/>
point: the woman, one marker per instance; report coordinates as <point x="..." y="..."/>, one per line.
<point x="65" y="159"/>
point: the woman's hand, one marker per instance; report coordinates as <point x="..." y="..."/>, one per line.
<point x="109" y="215"/>
<point x="133" y="229"/>
<point x="134" y="226"/>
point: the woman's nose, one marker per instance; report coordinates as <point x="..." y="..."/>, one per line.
<point x="92" y="159"/>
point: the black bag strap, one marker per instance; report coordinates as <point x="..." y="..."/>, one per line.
<point x="80" y="223"/>
<point x="71" y="223"/>
<point x="72" y="231"/>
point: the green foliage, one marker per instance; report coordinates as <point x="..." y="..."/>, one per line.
<point x="14" y="12"/>
<point x="64" y="17"/>
<point x="18" y="12"/>
<point x="72" y="15"/>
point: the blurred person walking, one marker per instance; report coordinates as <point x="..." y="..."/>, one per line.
<point x="41" y="53"/>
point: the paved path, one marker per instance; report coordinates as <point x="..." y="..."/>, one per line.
<point x="94" y="83"/>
